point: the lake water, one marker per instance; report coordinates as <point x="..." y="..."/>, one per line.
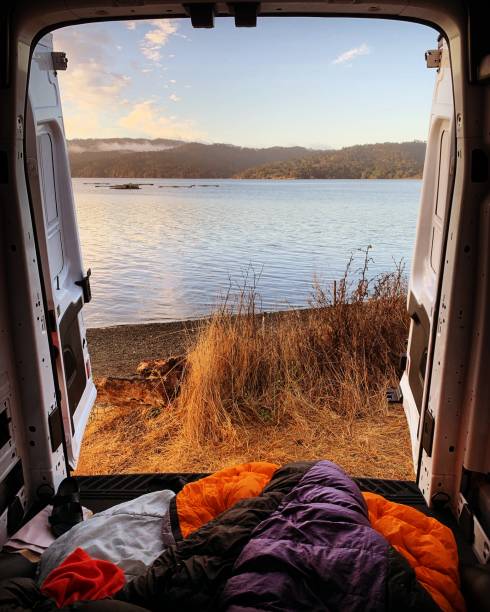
<point x="168" y="251"/>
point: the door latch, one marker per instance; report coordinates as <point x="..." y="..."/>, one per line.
<point x="59" y="59"/>
<point x="433" y="58"/>
<point x="85" y="285"/>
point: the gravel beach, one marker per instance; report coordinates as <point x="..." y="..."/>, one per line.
<point x="117" y="350"/>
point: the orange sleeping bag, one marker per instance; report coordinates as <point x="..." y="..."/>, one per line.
<point x="428" y="546"/>
<point x="203" y="500"/>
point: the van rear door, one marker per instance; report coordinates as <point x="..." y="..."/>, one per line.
<point x="428" y="259"/>
<point x="67" y="285"/>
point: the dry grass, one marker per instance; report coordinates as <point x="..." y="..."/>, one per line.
<point x="301" y="385"/>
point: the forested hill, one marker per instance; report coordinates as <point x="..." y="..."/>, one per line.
<point x="386" y="160"/>
<point x="139" y="158"/>
<point x="166" y="160"/>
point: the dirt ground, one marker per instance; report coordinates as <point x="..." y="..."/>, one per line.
<point x="376" y="447"/>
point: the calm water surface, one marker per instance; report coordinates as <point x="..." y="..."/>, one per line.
<point x="168" y="251"/>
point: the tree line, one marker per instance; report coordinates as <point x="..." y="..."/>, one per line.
<point x="197" y="160"/>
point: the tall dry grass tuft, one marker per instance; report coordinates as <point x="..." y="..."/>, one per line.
<point x="297" y="384"/>
<point x="248" y="368"/>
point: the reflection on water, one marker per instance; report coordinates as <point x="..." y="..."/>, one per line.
<point x="166" y="253"/>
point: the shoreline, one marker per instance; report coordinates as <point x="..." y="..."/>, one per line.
<point x="236" y="178"/>
<point x="117" y="350"/>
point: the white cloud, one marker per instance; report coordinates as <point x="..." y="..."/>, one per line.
<point x="83" y="43"/>
<point x="173" y="81"/>
<point x="131" y="25"/>
<point x="97" y="100"/>
<point x="98" y="85"/>
<point x="86" y="115"/>
<point x="89" y="90"/>
<point x="146" y="119"/>
<point x="349" y="55"/>
<point x="156" y="38"/>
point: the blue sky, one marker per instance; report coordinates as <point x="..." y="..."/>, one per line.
<point x="290" y="81"/>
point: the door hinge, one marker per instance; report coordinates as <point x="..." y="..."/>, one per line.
<point x="428" y="432"/>
<point x="85" y="285"/>
<point x="394" y="395"/>
<point x="60" y="61"/>
<point x="433" y="58"/>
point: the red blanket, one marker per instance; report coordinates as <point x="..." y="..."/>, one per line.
<point x="80" y="577"/>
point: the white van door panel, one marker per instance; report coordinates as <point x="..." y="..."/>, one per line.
<point x="50" y="204"/>
<point x="62" y="266"/>
<point x="423" y="293"/>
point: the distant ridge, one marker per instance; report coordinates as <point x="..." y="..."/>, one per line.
<point x="387" y="160"/>
<point x="165" y="158"/>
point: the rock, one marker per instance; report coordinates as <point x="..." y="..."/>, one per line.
<point x="157" y="383"/>
<point x="121" y="391"/>
<point x="167" y="372"/>
<point x="126" y="186"/>
<point x="157" y="368"/>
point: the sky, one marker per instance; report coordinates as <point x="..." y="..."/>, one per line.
<point x="312" y="82"/>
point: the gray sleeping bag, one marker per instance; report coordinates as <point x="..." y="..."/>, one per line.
<point x="129" y="535"/>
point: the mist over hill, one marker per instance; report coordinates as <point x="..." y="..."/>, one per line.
<point x="164" y="158"/>
<point x="92" y="145"/>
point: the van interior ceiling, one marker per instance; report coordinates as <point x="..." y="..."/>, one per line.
<point x="46" y="385"/>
